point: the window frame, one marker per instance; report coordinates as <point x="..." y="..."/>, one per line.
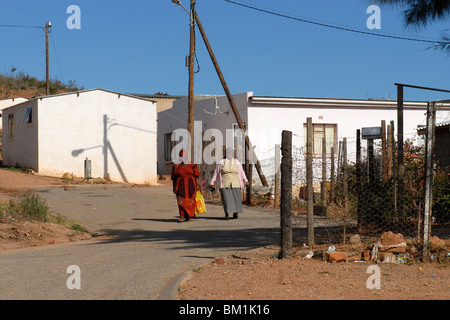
<point x="29" y="116"/>
<point x="316" y="143"/>
<point x="10" y="126"/>
<point x="167" y="149"/>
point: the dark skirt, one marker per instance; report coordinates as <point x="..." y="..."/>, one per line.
<point x="231" y="200"/>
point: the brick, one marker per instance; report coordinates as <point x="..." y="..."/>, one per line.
<point x="218" y="261"/>
<point x="389" y="239"/>
<point x="366" y="255"/>
<point x="337" y="256"/>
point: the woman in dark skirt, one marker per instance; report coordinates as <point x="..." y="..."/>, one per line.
<point x="231" y="179"/>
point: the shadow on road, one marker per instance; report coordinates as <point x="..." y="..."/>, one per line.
<point x="243" y="239"/>
<point x="175" y="219"/>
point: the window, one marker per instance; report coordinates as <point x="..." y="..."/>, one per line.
<point x="168" y="146"/>
<point x="10" y="126"/>
<point x="29" y="116"/>
<point x="320" y="131"/>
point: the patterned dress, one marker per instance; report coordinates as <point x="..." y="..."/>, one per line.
<point x="185" y="187"/>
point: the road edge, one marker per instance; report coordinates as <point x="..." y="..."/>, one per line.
<point x="170" y="289"/>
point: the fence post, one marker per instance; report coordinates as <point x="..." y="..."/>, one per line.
<point x="309" y="181"/>
<point x="324" y="174"/>
<point x="358" y="177"/>
<point x="400" y="161"/>
<point x="345" y="183"/>
<point x="390" y="145"/>
<point x="429" y="151"/>
<point x="339" y="164"/>
<point x="276" y="201"/>
<point x="383" y="148"/>
<point x="332" y="176"/>
<point x="249" y="186"/>
<point x="370" y="160"/>
<point x="286" y="195"/>
<point x="394" y="169"/>
<point x="344" y="167"/>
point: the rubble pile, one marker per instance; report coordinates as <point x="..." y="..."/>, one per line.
<point x="390" y="248"/>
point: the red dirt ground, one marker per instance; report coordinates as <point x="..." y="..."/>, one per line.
<point x="252" y="275"/>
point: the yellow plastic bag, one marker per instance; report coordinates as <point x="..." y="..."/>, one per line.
<point x="200" y="206"/>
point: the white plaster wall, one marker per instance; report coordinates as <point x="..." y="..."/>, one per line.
<point x="267" y="123"/>
<point x="75" y="127"/>
<point x="6" y="103"/>
<point x="22" y="149"/>
<point x="204" y="111"/>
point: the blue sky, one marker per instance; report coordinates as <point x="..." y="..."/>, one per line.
<point x="139" y="46"/>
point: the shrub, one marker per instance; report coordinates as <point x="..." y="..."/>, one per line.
<point x="33" y="206"/>
<point x="441" y="197"/>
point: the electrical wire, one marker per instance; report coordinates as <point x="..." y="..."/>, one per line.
<point x="53" y="41"/>
<point x="19" y="26"/>
<point x="327" y="25"/>
<point x="57" y="59"/>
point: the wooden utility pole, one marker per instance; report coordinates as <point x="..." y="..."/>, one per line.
<point x="47" y="78"/>
<point x="191" y="79"/>
<point x="230" y="99"/>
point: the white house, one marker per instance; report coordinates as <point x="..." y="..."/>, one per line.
<point x="56" y="134"/>
<point x="266" y="117"/>
<point x="8" y="102"/>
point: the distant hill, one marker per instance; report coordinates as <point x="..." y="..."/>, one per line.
<point x="18" y="84"/>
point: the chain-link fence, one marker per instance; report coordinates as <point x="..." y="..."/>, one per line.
<point x="355" y="186"/>
<point x="357" y="191"/>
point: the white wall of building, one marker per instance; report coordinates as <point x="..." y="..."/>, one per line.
<point x="213" y="112"/>
<point x="268" y="120"/>
<point x="267" y="117"/>
<point x="267" y="123"/>
<point x="8" y="102"/>
<point x="21" y="148"/>
<point x="116" y="132"/>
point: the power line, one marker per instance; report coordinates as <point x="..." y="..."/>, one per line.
<point x="19" y="26"/>
<point x="327" y="25"/>
<point x="57" y="59"/>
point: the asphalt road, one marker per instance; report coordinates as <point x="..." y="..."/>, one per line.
<point x="149" y="248"/>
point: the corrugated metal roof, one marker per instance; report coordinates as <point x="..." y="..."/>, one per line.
<point x="156" y="96"/>
<point x="442" y="124"/>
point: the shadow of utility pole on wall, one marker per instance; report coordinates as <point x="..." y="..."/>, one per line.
<point x="105" y="146"/>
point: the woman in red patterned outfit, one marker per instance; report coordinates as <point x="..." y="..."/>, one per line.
<point x="184" y="178"/>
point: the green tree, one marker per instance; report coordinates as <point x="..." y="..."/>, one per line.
<point x="420" y="13"/>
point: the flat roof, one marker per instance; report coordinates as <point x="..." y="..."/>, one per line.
<point x="338" y="102"/>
